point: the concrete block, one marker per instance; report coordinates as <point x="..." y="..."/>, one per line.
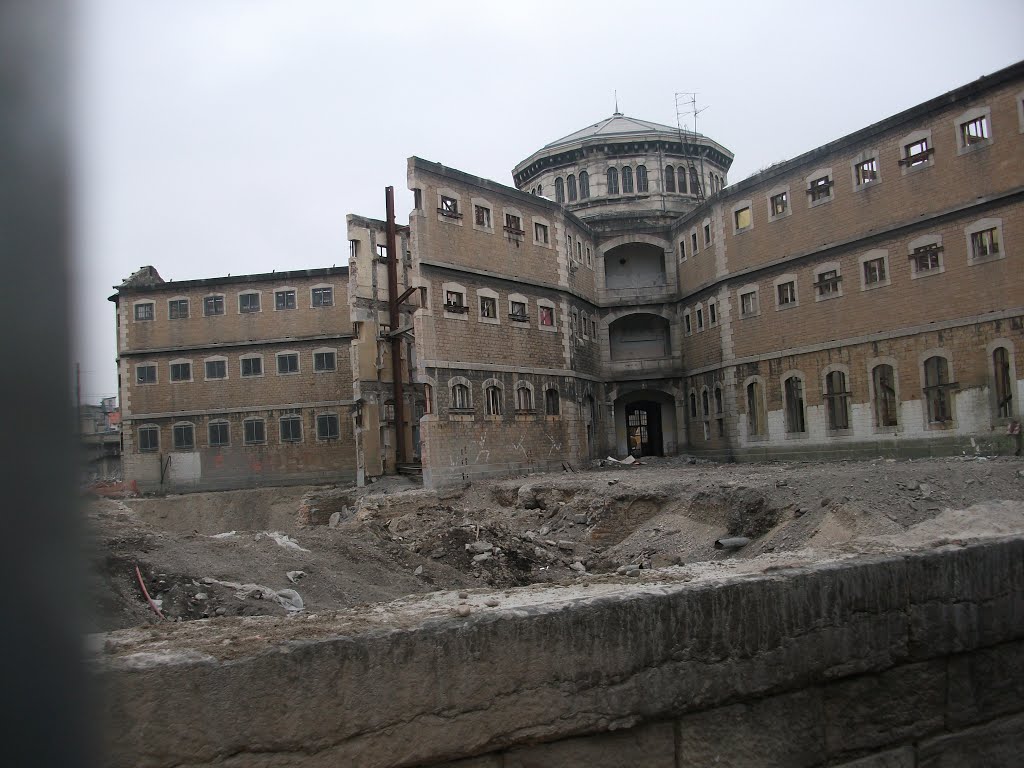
<point x="648" y="745"/>
<point x="985" y="684"/>
<point x="997" y="743"/>
<point x="879" y="710"/>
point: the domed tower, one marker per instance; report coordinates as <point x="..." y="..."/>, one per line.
<point x="622" y="167"/>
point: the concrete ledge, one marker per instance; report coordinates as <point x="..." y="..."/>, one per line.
<point x="857" y="646"/>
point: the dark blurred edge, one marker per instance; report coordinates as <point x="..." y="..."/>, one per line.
<point x="44" y="685"/>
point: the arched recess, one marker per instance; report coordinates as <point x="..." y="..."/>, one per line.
<point x="639" y="336"/>
<point x="645" y="423"/>
<point x="635" y="265"/>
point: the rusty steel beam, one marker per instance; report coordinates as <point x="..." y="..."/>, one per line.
<point x="393" y="321"/>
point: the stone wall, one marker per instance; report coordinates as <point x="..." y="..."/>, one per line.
<point x="908" y="659"/>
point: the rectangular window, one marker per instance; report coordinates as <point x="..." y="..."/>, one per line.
<point x="493" y="401"/>
<point x="874" y="271"/>
<point x="926" y="259"/>
<point x="590" y="258"/>
<point x="216" y="369"/>
<point x="449" y="207"/>
<point x="916" y="153"/>
<point x="482" y="216"/>
<point x="213" y="305"/>
<point x="693" y="242"/>
<point x="144" y="311"/>
<point x="184" y="436"/>
<point x="513" y="224"/>
<point x="828" y="283"/>
<point x="579" y="251"/>
<point x="707" y="235"/>
<point x="488" y="307"/>
<point x="547" y="316"/>
<point x="748" y="303"/>
<point x="249" y="302"/>
<point x="867" y="171"/>
<point x="780" y="203"/>
<point x="284" y="300"/>
<point x="149" y="439"/>
<point x="255" y="431"/>
<point x="177" y="309"/>
<point x="712" y="313"/>
<point x="974" y="131"/>
<point x="324" y="361"/>
<point x="686" y="322"/>
<point x="787" y="293"/>
<point x="252" y="366"/>
<point x="700" y="319"/>
<point x="540" y="232"/>
<point x="181" y="371"/>
<point x="454" y="301"/>
<point x="291" y="429"/>
<point x="518" y="310"/>
<point x="288" y="363"/>
<point x="327" y="427"/>
<point x="985" y="243"/>
<point x="218" y="434"/>
<point x="323" y="297"/>
<point x="145" y="374"/>
<point x="820" y="189"/>
<point x="743" y="218"/>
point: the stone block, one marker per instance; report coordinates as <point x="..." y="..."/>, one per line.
<point x="993" y="745"/>
<point x="985" y="684"/>
<point x="652" y="746"/>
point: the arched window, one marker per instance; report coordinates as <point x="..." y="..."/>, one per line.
<point x="584" y="185"/>
<point x="670" y="179"/>
<point x="460" y="397"/>
<point x="837" y="399"/>
<point x="936" y="389"/>
<point x="793" y="389"/>
<point x="718" y="401"/>
<point x="705" y="405"/>
<point x="1003" y="387"/>
<point x="551" y="404"/>
<point x="492" y="396"/>
<point x="524" y="398"/>
<point x="756" y="421"/>
<point x="884" y="380"/>
<point x="641" y="178"/>
<point x="540" y="190"/>
<point x="559" y="191"/>
<point x="682" y="179"/>
<point x="613" y="181"/>
<point x="571" y="184"/>
<point x="627" y="180"/>
<point x="428" y="399"/>
<point x="694" y="181"/>
<point x="693" y="405"/>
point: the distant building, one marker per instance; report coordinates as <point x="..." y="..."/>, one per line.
<point x="865" y="298"/>
<point x="100" y="436"/>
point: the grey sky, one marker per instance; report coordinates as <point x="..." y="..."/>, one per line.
<point x="232" y="136"/>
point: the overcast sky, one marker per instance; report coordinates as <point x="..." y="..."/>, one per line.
<point x="233" y="136"/>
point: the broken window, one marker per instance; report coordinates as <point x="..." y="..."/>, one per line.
<point x="937" y="389"/>
<point x="177" y="309"/>
<point x="213" y="305"/>
<point x="517" y="310"/>
<point x="828" y="283"/>
<point x="627" y="180"/>
<point x="1003" y="382"/>
<point x="291" y="428"/>
<point x="488" y="307"/>
<point x="540" y="232"/>
<point x="926" y="259"/>
<point x="985" y="244"/>
<point x="144" y="311"/>
<point x="590" y="257"/>
<point x="248" y="302"/>
<point x="686" y="323"/>
<point x="613" y="181"/>
<point x="756" y="421"/>
<point x="837" y="400"/>
<point x="216" y="369"/>
<point x="743" y="218"/>
<point x="492" y="396"/>
<point x="547" y="316"/>
<point x="288" y="362"/>
<point x="284" y="300"/>
<point x="779" y="203"/>
<point x="551" y="402"/>
<point x="454" y="301"/>
<point x="748" y="303"/>
<point x="254" y="431"/>
<point x="693" y="243"/>
<point x="867" y="171"/>
<point x="787" y="293"/>
<point x="145" y="374"/>
<point x="327" y="427"/>
<point x="218" y="434"/>
<point x="712" y="313"/>
<point x="670" y="179"/>
<point x="323" y="297"/>
<point x="707" y="235"/>
<point x="181" y="371"/>
<point x="874" y="271"/>
<point x="460" y="397"/>
<point x="916" y="153"/>
<point x="324" y="361"/>
<point x="449" y="207"/>
<point x="482" y="216"/>
<point x="570" y="186"/>
<point x="149" y="439"/>
<point x="513" y="224"/>
<point x="524" y="398"/>
<point x="884" y="379"/>
<point x="974" y="131"/>
<point x="559" y="190"/>
<point x="252" y="366"/>
<point x="820" y="189"/>
<point x="793" y="389"/>
<point x="184" y="436"/>
<point x="584" y="185"/>
<point x="641" y="178"/>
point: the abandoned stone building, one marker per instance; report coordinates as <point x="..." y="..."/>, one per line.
<point x="864" y="298"/>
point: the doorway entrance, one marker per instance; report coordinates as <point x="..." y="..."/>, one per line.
<point x="643" y="429"/>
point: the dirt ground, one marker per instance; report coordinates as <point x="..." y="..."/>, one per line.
<point x="266" y="551"/>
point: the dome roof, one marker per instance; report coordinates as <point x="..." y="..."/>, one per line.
<point x="615" y="127"/>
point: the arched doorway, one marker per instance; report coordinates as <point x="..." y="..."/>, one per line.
<point x="643" y="429"/>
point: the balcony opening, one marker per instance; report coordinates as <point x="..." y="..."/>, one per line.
<point x="634" y="265"/>
<point x="639" y="337"/>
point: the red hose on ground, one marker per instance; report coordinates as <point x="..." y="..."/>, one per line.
<point x="145" y="592"/>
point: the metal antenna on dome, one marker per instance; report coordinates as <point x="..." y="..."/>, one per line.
<point x="617" y="102"/>
<point x="686" y="99"/>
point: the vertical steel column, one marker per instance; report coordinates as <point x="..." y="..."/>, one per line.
<point x="394" y="319"/>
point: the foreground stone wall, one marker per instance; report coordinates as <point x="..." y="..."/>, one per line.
<point x="913" y="659"/>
